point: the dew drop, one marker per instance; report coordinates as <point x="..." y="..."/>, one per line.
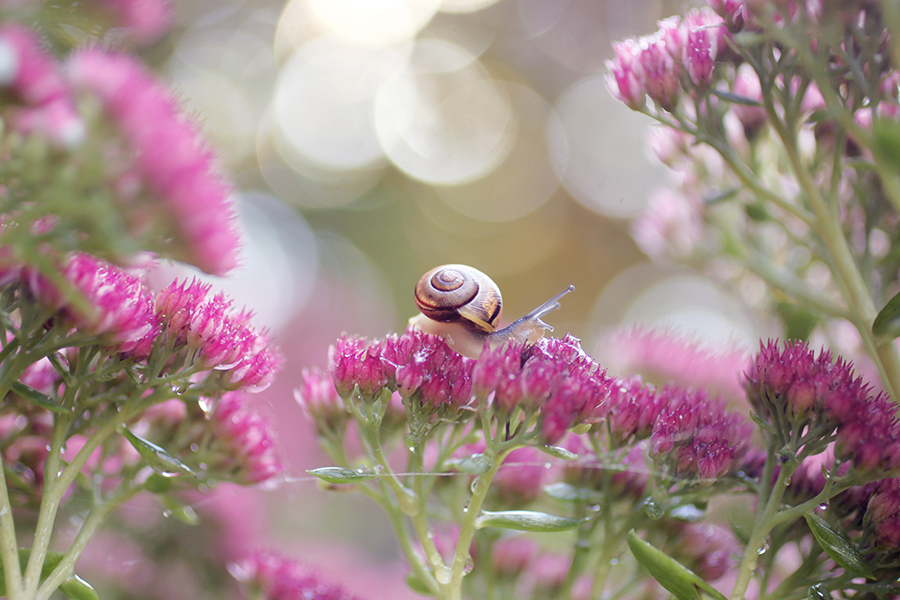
<point x="823" y="506"/>
<point x="430" y="534"/>
<point x="475" y="483"/>
<point x="548" y="465"/>
<point x="167" y="513"/>
<point x="594" y="508"/>
<point x="763" y="548"/>
<point x="443" y="575"/>
<point x="469" y="566"/>
<point x="787" y="481"/>
<point x="654" y="510"/>
<point x="614" y="562"/>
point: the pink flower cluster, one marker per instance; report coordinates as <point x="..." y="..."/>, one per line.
<point x="415" y="364"/>
<point x="165" y="154"/>
<point x="697" y="435"/>
<point x="222" y="338"/>
<point x="171" y="160"/>
<point x="113" y="305"/>
<point x="799" y="392"/>
<point x="34" y="77"/>
<point x="883" y="515"/>
<point x="103" y="301"/>
<point x="681" y="54"/>
<point x="244" y="442"/>
<point x="554" y="375"/>
<point x="272" y="577"/>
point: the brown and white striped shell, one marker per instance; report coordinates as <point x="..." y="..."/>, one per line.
<point x="451" y="293"/>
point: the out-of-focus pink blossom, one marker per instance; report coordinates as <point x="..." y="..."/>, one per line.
<point x="319" y="399"/>
<point x="883" y="515"/>
<point x="271" y="577"/>
<point x="660" y="76"/>
<point x="34" y="76"/>
<point x="170" y="157"/>
<point x="746" y="84"/>
<point x="664" y="356"/>
<point x="704" y="40"/>
<point x="671" y="226"/>
<point x="244" y="440"/>
<point x="624" y="76"/>
<point x="145" y="21"/>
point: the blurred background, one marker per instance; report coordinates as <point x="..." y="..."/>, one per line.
<point x="370" y="140"/>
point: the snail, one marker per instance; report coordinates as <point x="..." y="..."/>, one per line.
<point x="462" y="305"/>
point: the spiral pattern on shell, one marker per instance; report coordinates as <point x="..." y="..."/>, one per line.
<point x="451" y="292"/>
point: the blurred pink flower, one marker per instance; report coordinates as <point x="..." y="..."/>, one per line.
<point x="272" y="577"/>
<point x="35" y="77"/>
<point x="145" y="21"/>
<point x="624" y="76"/>
<point x="244" y="442"/>
<point x="170" y="157"/>
<point x="664" y="356"/>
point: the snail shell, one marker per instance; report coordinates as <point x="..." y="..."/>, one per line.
<point x="463" y="305"/>
<point x="454" y="292"/>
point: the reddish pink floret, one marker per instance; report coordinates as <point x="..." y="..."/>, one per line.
<point x="272" y="577"/>
<point x="697" y="435"/>
<point x="171" y="158"/>
<point x="245" y="440"/>
<point x="112" y="304"/>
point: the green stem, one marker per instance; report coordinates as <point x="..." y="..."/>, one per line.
<point x="763" y="524"/>
<point x="95" y="518"/>
<point x="468" y="527"/>
<point x="843" y="265"/>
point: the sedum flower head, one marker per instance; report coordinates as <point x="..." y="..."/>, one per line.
<point x="103" y="301"/>
<point x="221" y="337"/>
<point x="319" y="399"/>
<point x="171" y="162"/>
<point x="883" y="515"/>
<point x="790" y="380"/>
<point x="697" y="436"/>
<point x="244" y="441"/>
<point x="272" y="577"/>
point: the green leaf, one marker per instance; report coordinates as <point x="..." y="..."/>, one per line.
<point x="839" y="547"/>
<point x="416" y="585"/>
<point x="475" y="464"/>
<point x="158" y="484"/>
<point x="886" y="141"/>
<point x="77" y="588"/>
<point x="886" y="326"/>
<point x="342" y="475"/>
<point x="735" y="98"/>
<point x="158" y="458"/>
<point x="181" y="511"/>
<point x="557" y="452"/>
<point x="31" y="394"/>
<point x="565" y="492"/>
<point x="526" y="520"/>
<point x="683" y="583"/>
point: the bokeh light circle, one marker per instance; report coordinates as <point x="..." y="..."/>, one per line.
<point x="375" y="22"/>
<point x="526" y="178"/>
<point x="442" y="119"/>
<point x="323" y="101"/>
<point x="607" y="168"/>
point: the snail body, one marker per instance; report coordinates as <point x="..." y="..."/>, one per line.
<point x="463" y="305"/>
